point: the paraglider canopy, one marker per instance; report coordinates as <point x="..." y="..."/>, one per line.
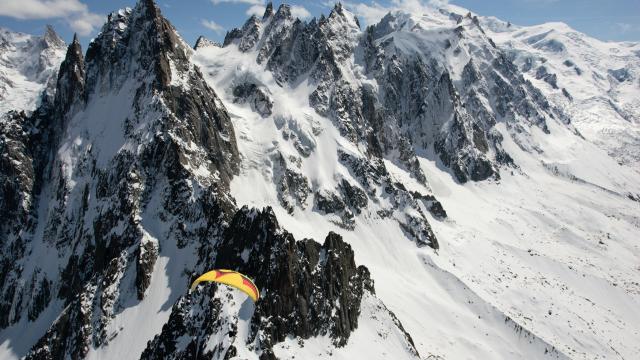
<point x="231" y="278"/>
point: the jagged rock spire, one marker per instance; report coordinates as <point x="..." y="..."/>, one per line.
<point x="284" y="11"/>
<point x="51" y="38"/>
<point x="71" y="78"/>
<point x="151" y="8"/>
<point x="268" y="11"/>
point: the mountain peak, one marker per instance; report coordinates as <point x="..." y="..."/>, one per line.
<point x="339" y="12"/>
<point x="150" y="7"/>
<point x="284" y="11"/>
<point x="142" y="28"/>
<point x="51" y="38"/>
<point x="203" y="42"/>
<point x="268" y="11"/>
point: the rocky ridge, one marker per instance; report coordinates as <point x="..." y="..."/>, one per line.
<point x="444" y="100"/>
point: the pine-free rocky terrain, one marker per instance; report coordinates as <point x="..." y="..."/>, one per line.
<point x="438" y="185"/>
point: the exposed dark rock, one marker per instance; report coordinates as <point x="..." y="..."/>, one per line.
<point x="268" y="11"/>
<point x="433" y="205"/>
<point x="372" y="174"/>
<point x="354" y="197"/>
<point x="328" y="202"/>
<point x="549" y="78"/>
<point x="621" y="75"/>
<point x="42" y="296"/>
<point x="69" y="336"/>
<point x="146" y="255"/>
<point x="98" y="204"/>
<point x="257" y="97"/>
<point x="71" y="78"/>
<point x="245" y="38"/>
<point x="293" y="187"/>
<point x="307" y="289"/>
<point x="183" y="322"/>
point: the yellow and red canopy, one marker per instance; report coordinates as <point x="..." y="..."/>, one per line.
<point x="231" y="278"/>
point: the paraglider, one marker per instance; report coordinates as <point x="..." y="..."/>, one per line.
<point x="231" y="278"/>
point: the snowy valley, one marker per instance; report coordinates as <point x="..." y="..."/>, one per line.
<point x="438" y="185"/>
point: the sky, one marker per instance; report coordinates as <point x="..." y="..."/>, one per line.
<point x="608" y="20"/>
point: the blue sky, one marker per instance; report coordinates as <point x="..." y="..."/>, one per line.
<point x="606" y="20"/>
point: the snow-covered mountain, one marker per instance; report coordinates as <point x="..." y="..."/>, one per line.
<point x="28" y="66"/>
<point x="595" y="82"/>
<point x="460" y="208"/>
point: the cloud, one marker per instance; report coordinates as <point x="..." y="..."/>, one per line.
<point x="40" y="9"/>
<point x="371" y="14"/>
<point x="300" y="12"/>
<point x="212" y="25"/>
<point x="252" y="2"/>
<point x="74" y="12"/>
<point x="257" y="10"/>
<point x="85" y="24"/>
<point x="442" y="3"/>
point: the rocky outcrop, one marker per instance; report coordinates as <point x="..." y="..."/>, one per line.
<point x="310" y="289"/>
<point x="307" y="289"/>
<point x="247" y="37"/>
<point x="257" y="97"/>
<point x="433" y="205"/>
<point x="202" y="42"/>
<point x="293" y="187"/>
<point x="321" y="50"/>
<point x="543" y="74"/>
<point x="376" y="181"/>
<point x="70" y="88"/>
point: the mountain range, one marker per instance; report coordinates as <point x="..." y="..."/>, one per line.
<point x="438" y="185"/>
